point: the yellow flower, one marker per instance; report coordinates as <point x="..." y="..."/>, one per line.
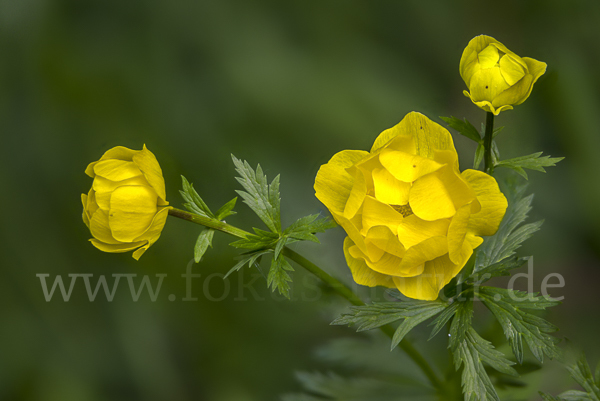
<point x="411" y="217"/>
<point x="126" y="208"/>
<point x="497" y="78"/>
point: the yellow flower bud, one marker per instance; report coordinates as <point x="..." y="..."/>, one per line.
<point x="412" y="218"/>
<point x="496" y="77"/>
<point x="126" y="207"/>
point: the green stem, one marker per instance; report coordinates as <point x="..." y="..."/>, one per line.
<point x="336" y="285"/>
<point x="487" y="143"/>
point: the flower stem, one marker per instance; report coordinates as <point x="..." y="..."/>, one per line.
<point x="487" y="143"/>
<point x="336" y="285"/>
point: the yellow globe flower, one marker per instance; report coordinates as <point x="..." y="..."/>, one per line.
<point x="126" y="208"/>
<point x="496" y="77"/>
<point x="412" y="218"/>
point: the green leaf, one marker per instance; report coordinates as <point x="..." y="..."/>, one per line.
<point x="279" y="277"/>
<point x="261" y="197"/>
<point x="202" y="244"/>
<point x="497" y="269"/>
<point x="531" y="162"/>
<point x="195" y="203"/>
<point x="479" y="153"/>
<point x="254" y="242"/>
<point x="508" y="238"/>
<point x="304" y="228"/>
<point x="582" y="374"/>
<point x="497" y="131"/>
<point x="507" y="306"/>
<point x="247" y="259"/>
<point x="378" y="314"/>
<point x="443" y="318"/>
<point x="464" y="128"/>
<point x="471" y="353"/>
<point x="547" y="397"/>
<point x="226" y="210"/>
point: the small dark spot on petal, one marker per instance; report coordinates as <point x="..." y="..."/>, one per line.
<point x="486" y="87"/>
<point x="414" y="166"/>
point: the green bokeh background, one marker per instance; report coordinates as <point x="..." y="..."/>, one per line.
<point x="286" y="84"/>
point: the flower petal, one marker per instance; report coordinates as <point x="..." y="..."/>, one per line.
<point x="116" y="248"/>
<point x="132" y="209"/>
<point x="512" y="71"/>
<point x="147" y="163"/>
<point x="493" y="203"/>
<point x="105" y="187"/>
<point x="100" y="228"/>
<point x="116" y="170"/>
<point x="84" y="215"/>
<point x="376" y="213"/>
<point x="417" y="255"/>
<point x="357" y="195"/>
<point x="430" y="200"/>
<point x="333" y="183"/>
<point x="388" y="189"/>
<point x="413" y="230"/>
<point x="387" y="264"/>
<point x="153" y="233"/>
<point x="488" y="57"/>
<point x="384" y="239"/>
<point x="406" y="167"/>
<point x="435" y="276"/>
<point x="457" y="232"/>
<point x="486" y="84"/>
<point x="361" y="273"/>
<point x="427" y="135"/>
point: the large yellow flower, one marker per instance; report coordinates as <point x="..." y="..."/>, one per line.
<point x="126" y="208"/>
<point x="496" y="77"/>
<point x="412" y="218"/>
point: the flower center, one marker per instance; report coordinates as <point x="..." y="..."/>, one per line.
<point x="404" y="210"/>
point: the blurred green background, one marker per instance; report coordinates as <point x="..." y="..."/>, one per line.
<point x="283" y="83"/>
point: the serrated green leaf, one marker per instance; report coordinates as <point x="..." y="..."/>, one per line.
<point x="279" y="277"/>
<point x="576" y="395"/>
<point x="305" y="227"/>
<point x="582" y="374"/>
<point x="411" y="322"/>
<point x="531" y="162"/>
<point x="507" y="306"/>
<point x="261" y="197"/>
<point x="497" y="131"/>
<point x="443" y="318"/>
<point x="495" y="152"/>
<point x="279" y="247"/>
<point x="508" y="238"/>
<point x="195" y="203"/>
<point x="250" y="259"/>
<point x="460" y="324"/>
<point x="202" y="243"/>
<point x="226" y="210"/>
<point x="471" y="352"/>
<point x="497" y="269"/>
<point x="547" y="397"/>
<point x="479" y="153"/>
<point x="464" y="128"/>
<point x="379" y="314"/>
<point x="254" y="242"/>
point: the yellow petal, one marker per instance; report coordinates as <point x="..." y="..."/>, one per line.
<point x="406" y="167"/>
<point x="511" y="70"/>
<point x="486" y="84"/>
<point x="516" y="94"/>
<point x="147" y="163"/>
<point x="89" y="170"/>
<point x="427" y="136"/>
<point x="357" y="195"/>
<point x="84" y="215"/>
<point x="457" y="232"/>
<point x="100" y="227"/>
<point x="105" y="187"/>
<point x="132" y="209"/>
<point x="493" y="203"/>
<point x="417" y="255"/>
<point x="388" y="189"/>
<point x="376" y="213"/>
<point x="153" y="232"/>
<point x="413" y="230"/>
<point x="116" y="248"/>
<point x="361" y="273"/>
<point x="435" y="276"/>
<point x="469" y="61"/>
<point x="92" y="205"/>
<point x="116" y="170"/>
<point x="430" y="200"/>
<point x="333" y="183"/>
<point x="384" y="239"/>
<point x="388" y="264"/>
<point x="119" y="153"/>
<point x="488" y="57"/>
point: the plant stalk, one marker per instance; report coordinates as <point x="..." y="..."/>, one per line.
<point x="336" y="285"/>
<point x="487" y="143"/>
